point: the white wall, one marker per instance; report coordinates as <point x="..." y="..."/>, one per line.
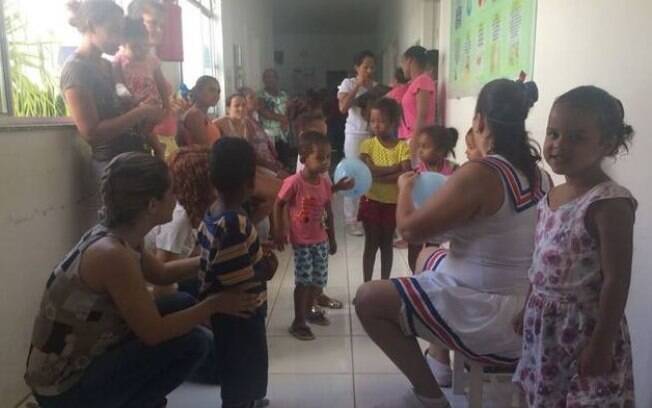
<point x="317" y="53"/>
<point x="248" y="23"/>
<point x="404" y="23"/>
<point x="604" y="43"/>
<point x="40" y="214"/>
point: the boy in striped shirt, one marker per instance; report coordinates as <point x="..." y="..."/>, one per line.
<point x="232" y="259"/>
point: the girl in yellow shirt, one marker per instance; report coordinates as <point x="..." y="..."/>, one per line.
<point x="387" y="158"/>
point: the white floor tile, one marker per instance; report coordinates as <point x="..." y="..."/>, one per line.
<point x="384" y="391"/>
<point x="196" y="396"/>
<point x="311" y="390"/>
<point x="324" y="355"/>
<point x="369" y="359"/>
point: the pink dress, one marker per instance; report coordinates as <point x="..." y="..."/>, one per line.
<point x="562" y="312"/>
<point x="139" y="79"/>
<point x="409" y="104"/>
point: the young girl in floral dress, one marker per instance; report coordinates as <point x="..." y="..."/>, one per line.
<point x="576" y="346"/>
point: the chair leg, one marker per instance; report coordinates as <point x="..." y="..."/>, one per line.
<point x="475" y="386"/>
<point x="459" y="375"/>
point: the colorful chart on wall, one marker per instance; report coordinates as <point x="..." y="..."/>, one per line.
<point x="489" y="39"/>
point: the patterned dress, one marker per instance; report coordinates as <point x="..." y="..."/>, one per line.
<point x="563" y="309"/>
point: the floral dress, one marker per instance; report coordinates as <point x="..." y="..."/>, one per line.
<point x="563" y="310"/>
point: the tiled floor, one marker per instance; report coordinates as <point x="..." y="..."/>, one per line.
<point x="342" y="368"/>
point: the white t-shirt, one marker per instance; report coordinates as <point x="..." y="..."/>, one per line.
<point x="355" y="122"/>
<point x="177" y="236"/>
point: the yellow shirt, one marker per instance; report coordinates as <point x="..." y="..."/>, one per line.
<point x="382" y="156"/>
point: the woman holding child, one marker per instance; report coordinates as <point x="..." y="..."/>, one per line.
<point x="466" y="297"/>
<point x="89" y="89"/>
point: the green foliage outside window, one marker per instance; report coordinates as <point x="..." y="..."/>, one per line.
<point x="35" y="91"/>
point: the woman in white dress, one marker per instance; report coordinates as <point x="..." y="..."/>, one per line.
<point x="357" y="126"/>
<point x="466" y="297"/>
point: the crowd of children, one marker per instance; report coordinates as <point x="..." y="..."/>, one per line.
<point x="576" y="347"/>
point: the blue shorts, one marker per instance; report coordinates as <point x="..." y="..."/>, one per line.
<point x="311" y="264"/>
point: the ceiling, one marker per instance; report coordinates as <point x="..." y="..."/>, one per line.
<point x="326" y="16"/>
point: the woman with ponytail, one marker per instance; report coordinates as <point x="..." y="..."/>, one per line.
<point x="418" y="101"/>
<point x="465" y="297"/>
<point x="89" y="89"/>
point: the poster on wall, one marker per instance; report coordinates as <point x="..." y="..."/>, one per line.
<point x="489" y="39"/>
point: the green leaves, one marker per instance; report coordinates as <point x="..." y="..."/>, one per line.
<point x="34" y="88"/>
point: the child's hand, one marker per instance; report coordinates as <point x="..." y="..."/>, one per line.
<point x="517" y="323"/>
<point x="280" y="240"/>
<point x="595" y="361"/>
<point x="332" y="246"/>
<point x="344" y="184"/>
<point x="407" y="180"/>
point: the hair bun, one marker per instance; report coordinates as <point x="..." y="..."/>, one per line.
<point x="453" y="134"/>
<point x="74" y="7"/>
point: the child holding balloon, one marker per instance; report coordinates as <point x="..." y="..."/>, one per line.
<point x="387" y="157"/>
<point x="435" y="144"/>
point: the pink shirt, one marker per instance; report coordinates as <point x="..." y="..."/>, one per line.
<point x="398" y="92"/>
<point x="139" y="76"/>
<point x="446" y="169"/>
<point x="409" y="104"/>
<point x="307" y="205"/>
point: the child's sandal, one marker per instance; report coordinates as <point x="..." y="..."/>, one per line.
<point x="329" y="302"/>
<point x="302" y="333"/>
<point x="317" y="316"/>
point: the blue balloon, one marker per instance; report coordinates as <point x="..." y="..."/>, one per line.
<point x="425" y="186"/>
<point x="359" y="172"/>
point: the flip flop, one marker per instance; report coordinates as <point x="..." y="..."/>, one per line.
<point x="329" y="302"/>
<point x="302" y="333"/>
<point x="317" y="316"/>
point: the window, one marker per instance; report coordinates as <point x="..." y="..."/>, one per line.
<point x="34" y="46"/>
<point x="200" y="30"/>
<point x="35" y="42"/>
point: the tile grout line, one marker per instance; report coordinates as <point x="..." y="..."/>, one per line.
<point x="351" y="308"/>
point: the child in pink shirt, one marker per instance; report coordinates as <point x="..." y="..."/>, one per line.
<point x="434" y="145"/>
<point x="305" y="200"/>
<point x="138" y="75"/>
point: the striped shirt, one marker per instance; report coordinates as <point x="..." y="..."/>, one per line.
<point x="230" y="253"/>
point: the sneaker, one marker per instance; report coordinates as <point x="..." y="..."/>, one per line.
<point x="442" y="372"/>
<point x="317" y="316"/>
<point x="355" y="230"/>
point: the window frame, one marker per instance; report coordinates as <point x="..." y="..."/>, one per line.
<point x="6" y="105"/>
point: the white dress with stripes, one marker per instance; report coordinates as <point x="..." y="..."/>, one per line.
<point x="468" y="295"/>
